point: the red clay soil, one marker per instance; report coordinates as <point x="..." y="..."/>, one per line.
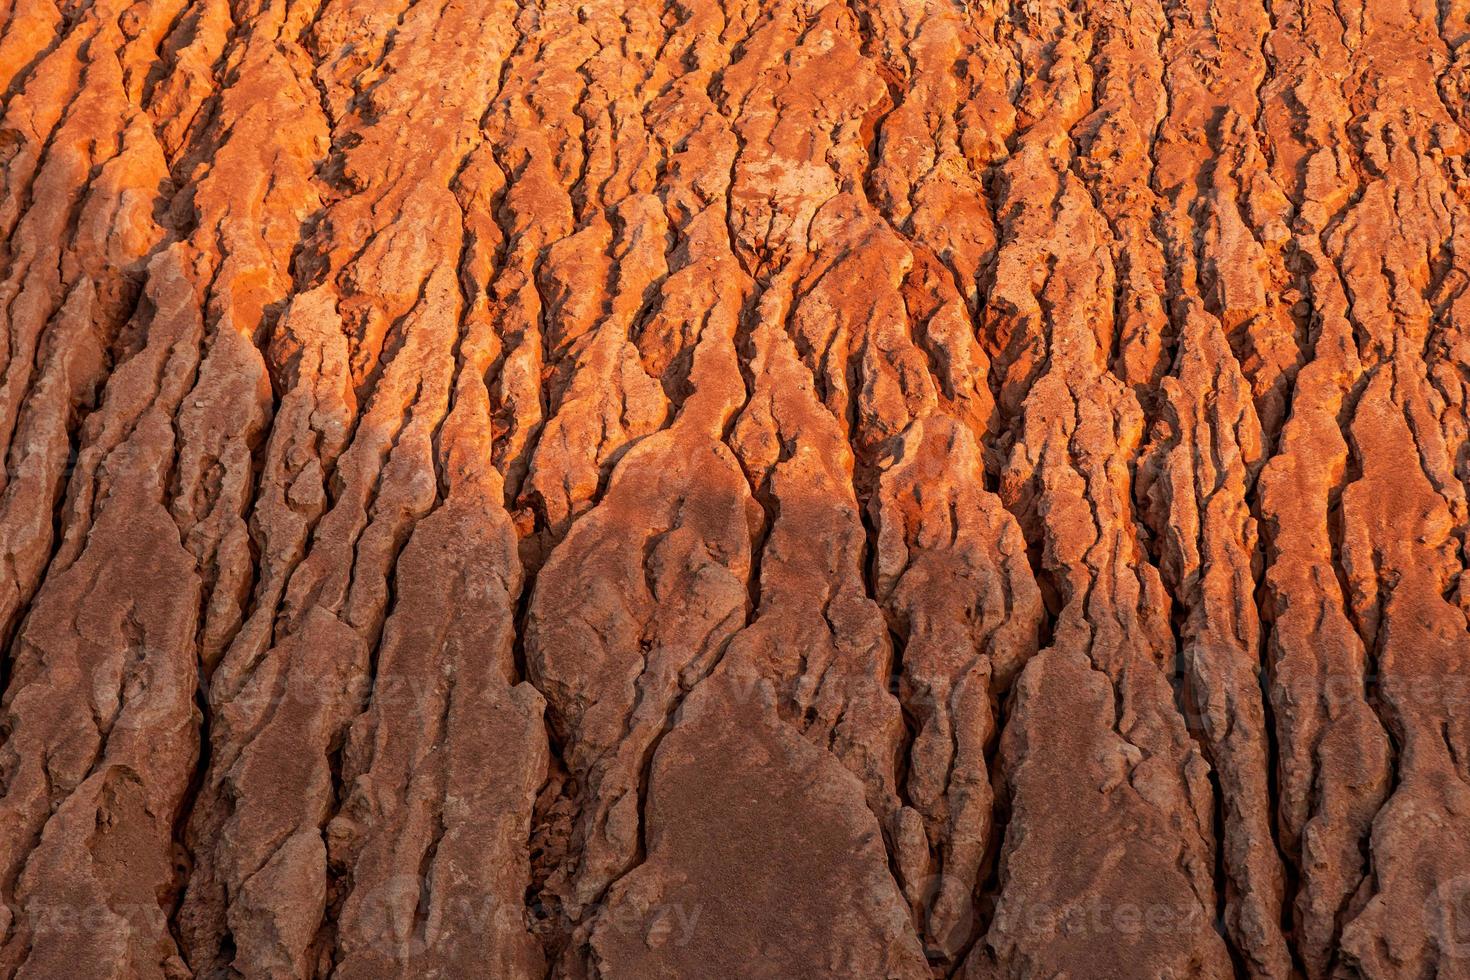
<point x="735" y="488"/>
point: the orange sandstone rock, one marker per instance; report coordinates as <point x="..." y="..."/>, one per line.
<point x="879" y="489"/>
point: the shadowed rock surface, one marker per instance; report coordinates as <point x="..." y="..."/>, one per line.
<point x="734" y="488"/>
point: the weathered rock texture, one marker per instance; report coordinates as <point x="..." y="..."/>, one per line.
<point x="735" y="488"/>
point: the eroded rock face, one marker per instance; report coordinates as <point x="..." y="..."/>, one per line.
<point x="879" y="489"/>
